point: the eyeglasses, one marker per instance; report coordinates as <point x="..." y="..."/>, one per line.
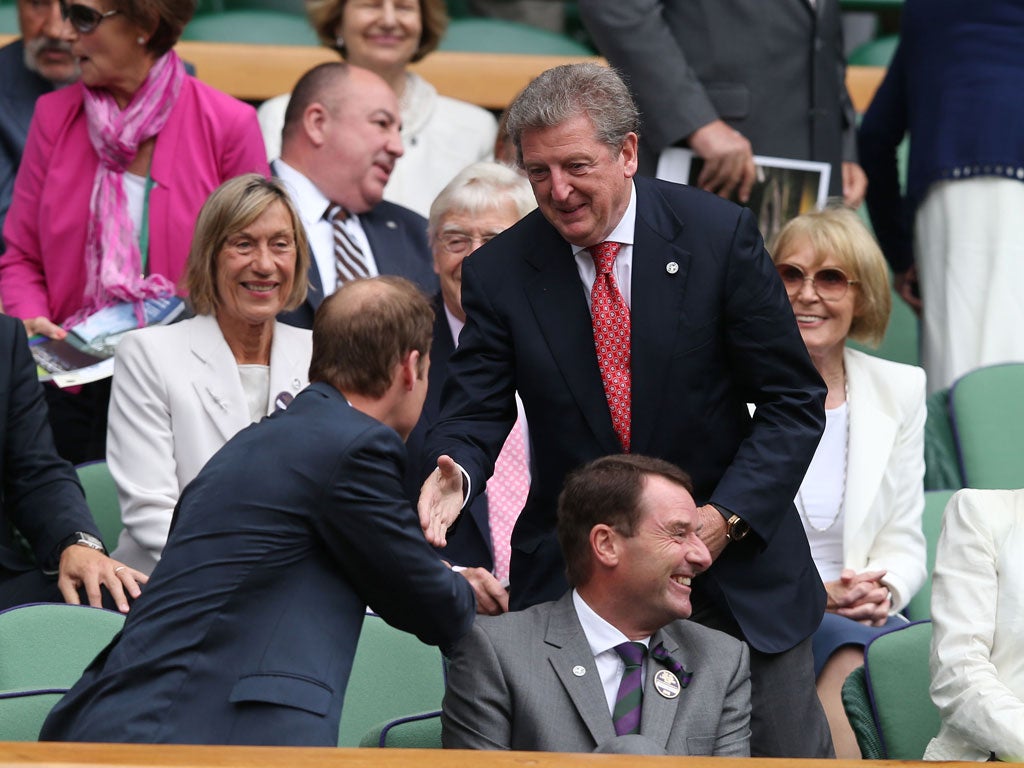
<point x="83" y="18"/>
<point x="830" y="283"/>
<point x="458" y="244"/>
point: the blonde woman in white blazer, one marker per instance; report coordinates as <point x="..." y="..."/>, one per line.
<point x="863" y="495"/>
<point x="180" y="392"/>
<point x="977" y="658"/>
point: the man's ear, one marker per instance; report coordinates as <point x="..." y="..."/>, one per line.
<point x="410" y="369"/>
<point x="314" y="120"/>
<point x="604" y="545"/>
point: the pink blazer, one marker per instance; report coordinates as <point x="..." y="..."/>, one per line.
<point x="209" y="138"/>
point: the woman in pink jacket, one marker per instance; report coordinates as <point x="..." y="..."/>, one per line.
<point x="115" y="170"/>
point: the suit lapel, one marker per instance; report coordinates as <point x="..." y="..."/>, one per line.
<point x="558" y="303"/>
<point x="215" y="378"/>
<point x="872" y="435"/>
<point x="286" y="371"/>
<point x="660" y="270"/>
<point x="568" y="651"/>
<point x="659" y="712"/>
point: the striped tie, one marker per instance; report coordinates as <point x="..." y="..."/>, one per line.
<point x="629" y="700"/>
<point x="349" y="259"/>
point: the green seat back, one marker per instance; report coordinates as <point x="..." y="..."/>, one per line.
<point x="44" y="649"/>
<point x="421" y="731"/>
<point x="987" y="413"/>
<point x="393" y="674"/>
<point x="941" y="467"/>
<point x="897" y="674"/>
<point x="874" y="53"/>
<point x="919" y="607"/>
<point x="857" y="705"/>
<point x="101" y="496"/>
<point x="22" y="715"/>
<point x="260" y="27"/>
<point x="9" y="19"/>
<point x="500" y="36"/>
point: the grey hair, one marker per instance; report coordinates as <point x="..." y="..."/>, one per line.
<point x="564" y="92"/>
<point x="481" y="187"/>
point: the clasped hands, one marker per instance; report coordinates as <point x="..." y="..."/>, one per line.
<point x="440" y="503"/>
<point x="859" y="596"/>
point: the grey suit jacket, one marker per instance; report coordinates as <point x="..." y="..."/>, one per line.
<point x="773" y="69"/>
<point x="514" y="683"/>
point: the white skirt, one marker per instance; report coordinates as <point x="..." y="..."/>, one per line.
<point x="969" y="251"/>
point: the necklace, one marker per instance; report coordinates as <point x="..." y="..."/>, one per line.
<point x="846" y="463"/>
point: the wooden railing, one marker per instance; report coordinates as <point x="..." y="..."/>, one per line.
<point x="25" y="754"/>
<point x="492" y="80"/>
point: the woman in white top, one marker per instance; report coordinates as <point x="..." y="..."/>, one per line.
<point x="862" y="497"/>
<point x="181" y="391"/>
<point x="977" y="661"/>
<point x="441" y="135"/>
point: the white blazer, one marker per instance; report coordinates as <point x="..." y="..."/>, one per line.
<point x="176" y="398"/>
<point x="977" y="659"/>
<point x="885" y="475"/>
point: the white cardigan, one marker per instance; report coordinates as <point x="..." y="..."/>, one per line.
<point x="977" y="659"/>
<point x="885" y="476"/>
<point x="176" y="398"/>
<point x="441" y="136"/>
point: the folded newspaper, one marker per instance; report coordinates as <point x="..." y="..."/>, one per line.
<point x="86" y="354"/>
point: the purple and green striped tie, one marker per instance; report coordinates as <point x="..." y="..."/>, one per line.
<point x="629" y="700"/>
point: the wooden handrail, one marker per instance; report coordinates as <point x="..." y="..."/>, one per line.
<point x="25" y="754"/>
<point x="492" y="80"/>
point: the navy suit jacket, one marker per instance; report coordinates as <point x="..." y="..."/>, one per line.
<point x="39" y="492"/>
<point x="19" y="89"/>
<point x="954" y="86"/>
<point x="469" y="542"/>
<point x="398" y="239"/>
<point x="712" y="330"/>
<point x="246" y="632"/>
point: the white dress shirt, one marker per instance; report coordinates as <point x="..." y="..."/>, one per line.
<point x="602" y="638"/>
<point x="623" y="233"/>
<point x="311" y="205"/>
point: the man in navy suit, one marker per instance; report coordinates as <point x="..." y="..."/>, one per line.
<point x="36" y="63"/>
<point x="41" y="498"/>
<point x="483" y="200"/>
<point x="247" y="630"/>
<point x="708" y="328"/>
<point x="339" y="144"/>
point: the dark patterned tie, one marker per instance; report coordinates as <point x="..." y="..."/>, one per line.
<point x="659" y="654"/>
<point x="629" y="700"/>
<point x="612" y="339"/>
<point x="349" y="259"/>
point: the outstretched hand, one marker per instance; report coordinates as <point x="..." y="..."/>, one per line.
<point x="440" y="501"/>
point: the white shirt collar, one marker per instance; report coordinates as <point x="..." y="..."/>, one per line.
<point x="625" y="229"/>
<point x="601" y="635"/>
<point x="310" y="201"/>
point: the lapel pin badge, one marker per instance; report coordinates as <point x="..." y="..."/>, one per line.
<point x="666" y="684"/>
<point x="579" y="670"/>
<point x="390" y="224"/>
<point x="671" y="267"/>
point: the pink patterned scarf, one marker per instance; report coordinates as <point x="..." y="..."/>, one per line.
<point x="112" y="259"/>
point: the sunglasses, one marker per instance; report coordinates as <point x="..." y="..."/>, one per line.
<point x="83" y="18"/>
<point x="830" y="283"/>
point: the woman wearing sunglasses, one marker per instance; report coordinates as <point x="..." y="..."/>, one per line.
<point x="862" y="497"/>
<point x="115" y="170"/>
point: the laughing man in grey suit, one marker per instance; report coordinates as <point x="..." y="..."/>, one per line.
<point x="548" y="678"/>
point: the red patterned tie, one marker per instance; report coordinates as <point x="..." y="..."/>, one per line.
<point x="611" y="338"/>
<point x="506" y="494"/>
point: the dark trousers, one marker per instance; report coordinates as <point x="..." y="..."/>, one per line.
<point x="79" y="420"/>
<point x="786" y="718"/>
